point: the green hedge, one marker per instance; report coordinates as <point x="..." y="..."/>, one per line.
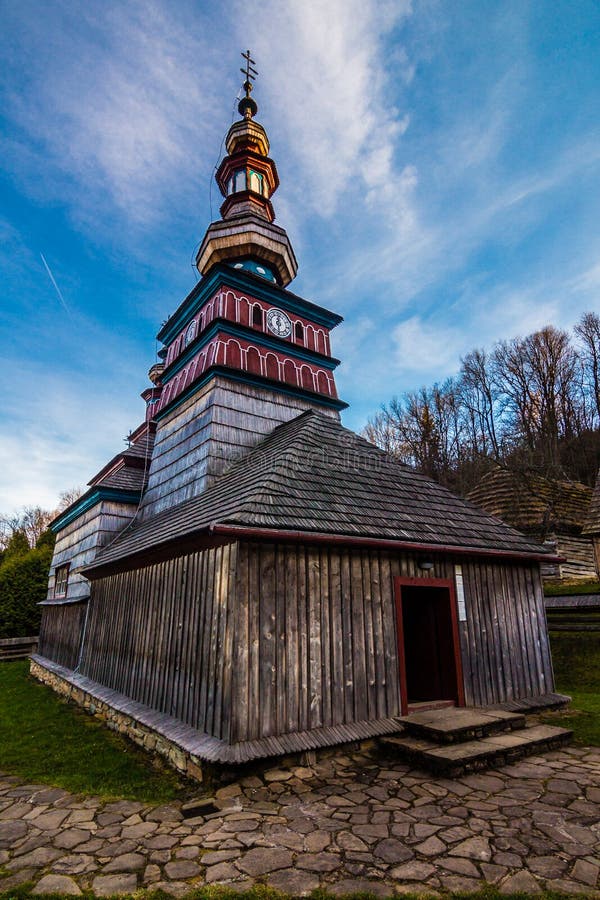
<point x="23" y="584"/>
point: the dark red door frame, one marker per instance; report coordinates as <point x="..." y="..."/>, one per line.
<point x="447" y="583"/>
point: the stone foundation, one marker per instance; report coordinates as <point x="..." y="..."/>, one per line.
<point x="147" y="738"/>
<point x="176" y="742"/>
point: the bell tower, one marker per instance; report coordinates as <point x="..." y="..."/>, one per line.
<point x="242" y="353"/>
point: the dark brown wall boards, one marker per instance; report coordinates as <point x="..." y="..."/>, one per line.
<point x="251" y="640"/>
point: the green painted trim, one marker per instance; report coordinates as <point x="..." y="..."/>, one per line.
<point x="254" y="381"/>
<point x="93" y="496"/>
<point x="248" y="283"/>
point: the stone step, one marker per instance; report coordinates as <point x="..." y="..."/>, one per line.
<point x="456" y="759"/>
<point x="449" y="726"/>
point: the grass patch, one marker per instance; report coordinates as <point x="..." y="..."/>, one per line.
<point x="576" y="659"/>
<point x="565" y="588"/>
<point x="44" y="739"/>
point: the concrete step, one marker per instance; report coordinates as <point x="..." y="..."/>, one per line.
<point x="450" y="726"/>
<point x="456" y="759"/>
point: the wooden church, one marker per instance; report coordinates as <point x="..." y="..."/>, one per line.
<point x="250" y="578"/>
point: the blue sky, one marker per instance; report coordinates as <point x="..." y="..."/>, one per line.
<point x="440" y="175"/>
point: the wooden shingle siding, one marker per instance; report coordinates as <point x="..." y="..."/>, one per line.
<point x="61" y="631"/>
<point x="199" y="439"/>
<point x="162" y="635"/>
<point x="79" y="542"/>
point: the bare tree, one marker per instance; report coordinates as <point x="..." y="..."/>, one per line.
<point x="479" y="398"/>
<point x="588" y="331"/>
<point x="66" y="498"/>
<point x="537" y="380"/>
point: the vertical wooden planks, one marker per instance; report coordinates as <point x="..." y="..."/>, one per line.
<point x="292" y="660"/>
<point x="347" y="635"/>
<point x="240" y="683"/>
<point x="325" y="638"/>
<point x="357" y="626"/>
<point x="336" y="643"/>
<point x="315" y="719"/>
<point x="281" y="638"/>
<point x="303" y="647"/>
<point x="369" y="639"/>
<point x="378" y="639"/>
<point x="229" y="659"/>
<point x="254" y="660"/>
<point x="268" y="656"/>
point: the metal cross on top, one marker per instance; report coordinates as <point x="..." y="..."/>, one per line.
<point x="250" y="72"/>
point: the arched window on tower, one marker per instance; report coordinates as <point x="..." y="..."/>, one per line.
<point x="322" y="383"/>
<point x="253" y="361"/>
<point x="257" y="316"/>
<point x="307" y="378"/>
<point x="234" y="355"/>
<point x="272" y="366"/>
<point x="290" y="375"/>
<point x="255" y="181"/>
<point x="299" y="333"/>
<point x="239" y="180"/>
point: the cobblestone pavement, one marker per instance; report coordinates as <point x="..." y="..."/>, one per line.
<point x="349" y="823"/>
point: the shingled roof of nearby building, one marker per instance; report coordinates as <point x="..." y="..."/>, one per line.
<point x="532" y="503"/>
<point x="312" y="475"/>
<point x="592" y="520"/>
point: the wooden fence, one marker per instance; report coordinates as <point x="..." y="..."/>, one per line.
<point x="574" y="613"/>
<point x="17" y="648"/>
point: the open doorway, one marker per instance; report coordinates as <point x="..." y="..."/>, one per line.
<point x="428" y="643"/>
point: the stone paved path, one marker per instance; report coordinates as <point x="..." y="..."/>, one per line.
<point x="349" y="823"/>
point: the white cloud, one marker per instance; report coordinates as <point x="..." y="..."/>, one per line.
<point x="57" y="432"/>
<point x="324" y="70"/>
<point x="423" y="347"/>
<point x="118" y="110"/>
<point x="588" y="281"/>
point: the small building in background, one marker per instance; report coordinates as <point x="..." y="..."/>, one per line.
<point x="549" y="511"/>
<point x="591" y="528"/>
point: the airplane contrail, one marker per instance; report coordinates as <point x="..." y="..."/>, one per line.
<point x="56" y="287"/>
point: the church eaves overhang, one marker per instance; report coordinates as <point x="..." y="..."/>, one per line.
<point x="91" y="498"/>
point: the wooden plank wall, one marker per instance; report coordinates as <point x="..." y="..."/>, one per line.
<point x="596" y="544"/>
<point x="315" y="639"/>
<point x="60" y="632"/>
<point x="162" y="636"/>
<point x="506" y="651"/>
<point x="315" y="635"/>
<point x="247" y="641"/>
<point x="579" y="555"/>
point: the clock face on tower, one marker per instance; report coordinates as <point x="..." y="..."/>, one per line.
<point x="278" y="323"/>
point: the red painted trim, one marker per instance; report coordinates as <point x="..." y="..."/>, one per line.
<point x="319" y="537"/>
<point x="449" y="585"/>
<point x="401" y="651"/>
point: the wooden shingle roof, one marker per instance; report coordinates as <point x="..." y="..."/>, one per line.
<point x="311" y="475"/>
<point x="532" y="503"/>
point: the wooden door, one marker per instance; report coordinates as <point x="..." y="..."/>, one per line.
<point x="428" y="642"/>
